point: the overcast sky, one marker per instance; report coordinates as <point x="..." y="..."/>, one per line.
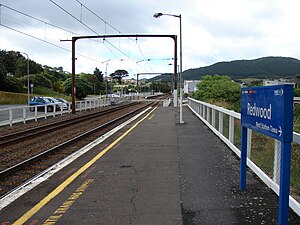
<point x="213" y="31"/>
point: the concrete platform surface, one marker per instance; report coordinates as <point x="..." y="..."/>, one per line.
<point x="161" y="172"/>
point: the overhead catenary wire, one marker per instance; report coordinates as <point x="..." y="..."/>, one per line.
<point x="143" y="56"/>
<point x="37" y="19"/>
<point x="113" y="53"/>
<point x="105" y="22"/>
<point x="48" y="24"/>
<point x="50" y="43"/>
<point x="70" y="14"/>
<point x="40" y="20"/>
<point x="44" y="39"/>
<point x="123" y="61"/>
<point x="114" y="28"/>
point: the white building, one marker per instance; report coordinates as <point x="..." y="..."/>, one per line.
<point x="277" y="82"/>
<point x="190" y="86"/>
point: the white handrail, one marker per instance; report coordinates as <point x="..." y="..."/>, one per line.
<point x="22" y="114"/>
<point x="202" y="108"/>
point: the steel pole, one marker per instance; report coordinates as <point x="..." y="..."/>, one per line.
<point x="174" y="37"/>
<point x="180" y="78"/>
<point x="28" y="82"/>
<point x="73" y="77"/>
<point x="106" y="81"/>
<point x="28" y="86"/>
<point x="157" y="15"/>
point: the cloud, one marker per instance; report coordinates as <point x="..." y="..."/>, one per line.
<point x="213" y="30"/>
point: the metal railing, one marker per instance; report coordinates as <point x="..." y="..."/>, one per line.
<point x="225" y="124"/>
<point x="22" y="114"/>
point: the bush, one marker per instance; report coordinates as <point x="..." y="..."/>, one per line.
<point x="297" y="92"/>
<point x="218" y="88"/>
<point x="39" y="80"/>
<point x="83" y="88"/>
<point x="11" y="84"/>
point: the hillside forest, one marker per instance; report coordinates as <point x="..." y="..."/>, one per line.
<point x="14" y="78"/>
<point x="263" y="68"/>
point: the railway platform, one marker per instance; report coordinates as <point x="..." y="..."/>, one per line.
<point x="153" y="171"/>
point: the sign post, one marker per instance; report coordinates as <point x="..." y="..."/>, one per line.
<point x="269" y="110"/>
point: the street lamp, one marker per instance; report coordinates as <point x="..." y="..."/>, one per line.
<point x="106" y="61"/>
<point x="28" y="86"/>
<point x="106" y="81"/>
<point x="157" y="15"/>
<point x="170" y="64"/>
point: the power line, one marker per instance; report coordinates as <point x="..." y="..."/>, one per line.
<point x="155" y="59"/>
<point x="29" y="35"/>
<point x="104" y="21"/>
<point x="73" y="16"/>
<point x="98" y="17"/>
<point x="117" y="56"/>
<point x="71" y="32"/>
<point x="37" y="19"/>
<point x="50" y="24"/>
<point x="143" y="55"/>
<point x="70" y="14"/>
<point x="39" y="39"/>
<point x="46" y="23"/>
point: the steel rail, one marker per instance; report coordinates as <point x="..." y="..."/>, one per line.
<point x="21" y="135"/>
<point x="13" y="169"/>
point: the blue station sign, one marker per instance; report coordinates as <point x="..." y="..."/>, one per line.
<point x="269" y="110"/>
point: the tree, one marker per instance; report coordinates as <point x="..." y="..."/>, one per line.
<point x="39" y="80"/>
<point x="118" y="75"/>
<point x="13" y="84"/>
<point x="21" y="67"/>
<point x="9" y="60"/>
<point x="98" y="74"/>
<point x="83" y="88"/>
<point x="297" y="92"/>
<point x="8" y="83"/>
<point x="97" y="86"/>
<point x="255" y="83"/>
<point x="218" y="88"/>
<point x="54" y="74"/>
<point x="160" y="87"/>
<point x="3" y="73"/>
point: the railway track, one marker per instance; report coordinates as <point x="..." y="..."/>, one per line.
<point x="12" y="177"/>
<point x="28" y="133"/>
<point x="159" y="97"/>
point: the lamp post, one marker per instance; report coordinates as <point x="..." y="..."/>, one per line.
<point x="28" y="85"/>
<point x="157" y="15"/>
<point x="106" y="81"/>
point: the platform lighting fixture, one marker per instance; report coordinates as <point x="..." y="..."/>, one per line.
<point x="28" y="85"/>
<point x="157" y="15"/>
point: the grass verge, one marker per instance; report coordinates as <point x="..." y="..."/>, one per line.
<point x="10" y="98"/>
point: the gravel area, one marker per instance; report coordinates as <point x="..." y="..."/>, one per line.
<point x="31" y="124"/>
<point x="20" y="151"/>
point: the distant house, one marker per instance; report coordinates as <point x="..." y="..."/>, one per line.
<point x="108" y="79"/>
<point x="129" y="81"/>
<point x="277" y="82"/>
<point x="190" y="86"/>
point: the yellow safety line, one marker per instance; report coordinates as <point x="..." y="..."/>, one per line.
<point x="151" y="116"/>
<point x="68" y="181"/>
<point x="58" y="213"/>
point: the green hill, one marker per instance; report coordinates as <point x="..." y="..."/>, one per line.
<point x="266" y="67"/>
